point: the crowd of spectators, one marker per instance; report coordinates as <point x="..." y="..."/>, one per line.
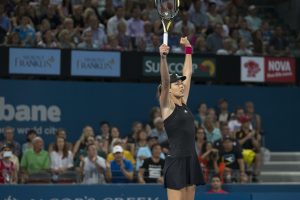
<point x="226" y="27"/>
<point x="227" y="144"/>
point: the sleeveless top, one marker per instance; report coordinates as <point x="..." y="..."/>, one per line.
<point x="181" y="130"/>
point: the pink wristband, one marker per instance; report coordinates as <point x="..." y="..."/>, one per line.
<point x="188" y="50"/>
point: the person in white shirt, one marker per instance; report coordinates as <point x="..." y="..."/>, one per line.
<point x="243" y="50"/>
<point x="61" y="158"/>
<point x="112" y="23"/>
<point x="253" y="21"/>
<point x="93" y="167"/>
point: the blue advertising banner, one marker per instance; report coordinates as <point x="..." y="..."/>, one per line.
<point x="34" y="61"/>
<point x="95" y="63"/>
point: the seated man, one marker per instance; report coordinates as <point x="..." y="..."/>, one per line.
<point x="249" y="141"/>
<point x="216" y="186"/>
<point x="119" y="170"/>
<point x="9" y="139"/>
<point x="93" y="166"/>
<point x="35" y="160"/>
<point x="152" y="169"/>
<point x="232" y="159"/>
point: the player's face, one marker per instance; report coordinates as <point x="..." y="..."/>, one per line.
<point x="177" y="89"/>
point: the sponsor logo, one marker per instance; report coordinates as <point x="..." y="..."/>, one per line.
<point x="29" y="113"/>
<point x="92" y="63"/>
<point x="34" y="61"/>
<point x="280" y="70"/>
<point x="252" y="69"/>
<point x="202" y="67"/>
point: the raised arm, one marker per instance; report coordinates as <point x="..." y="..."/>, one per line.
<point x="187" y="67"/>
<point x="165" y="78"/>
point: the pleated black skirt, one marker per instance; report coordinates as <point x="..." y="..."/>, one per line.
<point x="184" y="171"/>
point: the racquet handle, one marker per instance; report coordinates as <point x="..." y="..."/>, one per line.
<point x="165" y="38"/>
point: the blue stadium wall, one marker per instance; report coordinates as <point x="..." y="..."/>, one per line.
<point x="75" y="104"/>
<point x="143" y="192"/>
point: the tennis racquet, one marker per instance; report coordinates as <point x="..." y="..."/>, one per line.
<point x="167" y="10"/>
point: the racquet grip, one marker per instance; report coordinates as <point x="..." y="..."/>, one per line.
<point x="165" y="38"/>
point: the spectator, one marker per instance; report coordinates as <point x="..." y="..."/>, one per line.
<point x="48" y="40"/>
<point x="65" y="40"/>
<point x="216" y="186"/>
<point x="147" y="37"/>
<point x="127" y="154"/>
<point x="198" y="17"/>
<point x="98" y="31"/>
<point x="112" y="23"/>
<point x="214" y="41"/>
<point x="155" y="42"/>
<point x="26" y="32"/>
<point x="234" y="123"/>
<point x="225" y="131"/>
<point x="255" y="118"/>
<point x="65" y="9"/>
<point x="43" y="28"/>
<point x="77" y="16"/>
<point x="253" y="21"/>
<point x="200" y="141"/>
<point x="5" y="25"/>
<point x="209" y="160"/>
<point x="125" y="41"/>
<point x="233" y="161"/>
<point x="31" y="134"/>
<point x="42" y="8"/>
<point x="60" y="133"/>
<point x="152" y="169"/>
<point x="235" y="37"/>
<point x="81" y="142"/>
<point x="88" y="41"/>
<point x="150" y="13"/>
<point x="141" y="141"/>
<point x="279" y="46"/>
<point x="243" y="49"/>
<point x="145" y="152"/>
<point x="135" y="24"/>
<point x="9" y="139"/>
<point x="75" y="32"/>
<point x="249" y="141"/>
<point x="8" y="170"/>
<point x="104" y="129"/>
<point x="201" y="115"/>
<point x="108" y="12"/>
<point x="227" y="48"/>
<point x="200" y="45"/>
<point x="154" y="113"/>
<point x="211" y="113"/>
<point x="35" y="160"/>
<point x="32" y="14"/>
<point x="244" y="31"/>
<point x="184" y="22"/>
<point x="114" y="135"/>
<point x="61" y="158"/>
<point x="113" y="44"/>
<point x="120" y="170"/>
<point x="213" y="17"/>
<point x="258" y="43"/>
<point x="224" y="114"/>
<point x="211" y="132"/>
<point x="52" y="16"/>
<point x="13" y="40"/>
<point x="159" y="131"/>
<point x="266" y="33"/>
<point x="93" y="167"/>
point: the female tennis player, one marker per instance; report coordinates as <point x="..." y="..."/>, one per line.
<point x="182" y="171"/>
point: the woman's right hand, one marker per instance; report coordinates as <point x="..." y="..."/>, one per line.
<point x="164" y="50"/>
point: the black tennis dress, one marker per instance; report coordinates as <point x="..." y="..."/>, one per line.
<point x="181" y="167"/>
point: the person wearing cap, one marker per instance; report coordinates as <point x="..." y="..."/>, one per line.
<point x="8" y="170"/>
<point x="249" y="141"/>
<point x="145" y="152"/>
<point x="182" y="171"/>
<point x="9" y="139"/>
<point x="119" y="170"/>
<point x="253" y="21"/>
<point x="232" y="160"/>
<point x="126" y="154"/>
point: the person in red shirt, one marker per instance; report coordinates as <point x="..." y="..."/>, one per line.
<point x="216" y="186"/>
<point x="8" y="172"/>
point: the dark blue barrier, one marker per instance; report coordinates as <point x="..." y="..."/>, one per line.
<point x="142" y="192"/>
<point x="75" y="104"/>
